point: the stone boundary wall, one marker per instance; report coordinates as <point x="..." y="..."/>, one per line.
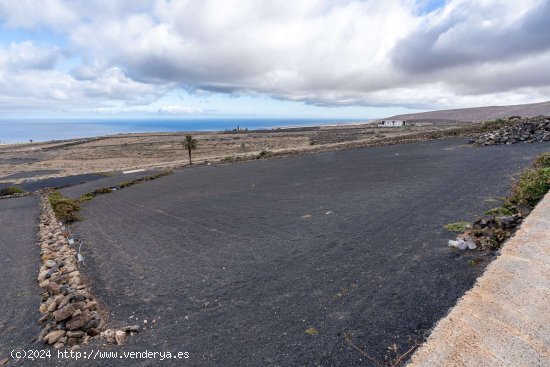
<point x="70" y="315"/>
<point x="69" y="312"/>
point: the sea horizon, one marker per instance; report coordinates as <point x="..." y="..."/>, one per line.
<point x="40" y="130"/>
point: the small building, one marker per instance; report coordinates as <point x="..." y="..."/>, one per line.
<point x="392" y="123"/>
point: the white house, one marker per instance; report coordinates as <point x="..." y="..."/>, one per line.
<point x="392" y="123"/>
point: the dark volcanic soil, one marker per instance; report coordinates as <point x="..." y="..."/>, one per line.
<point x="34" y="185"/>
<point x="19" y="259"/>
<point x="235" y="263"/>
<point x="76" y="191"/>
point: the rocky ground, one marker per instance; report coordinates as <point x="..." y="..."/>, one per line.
<point x="516" y="130"/>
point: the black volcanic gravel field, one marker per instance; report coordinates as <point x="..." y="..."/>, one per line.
<point x="234" y="263"/>
<point x="19" y="263"/>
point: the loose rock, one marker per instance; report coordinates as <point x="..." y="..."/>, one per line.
<point x="76" y="334"/>
<point x="130" y="329"/>
<point x="120" y="337"/>
<point x="54" y="336"/>
<point x="63" y="313"/>
<point x="528" y="130"/>
<point x="79" y="321"/>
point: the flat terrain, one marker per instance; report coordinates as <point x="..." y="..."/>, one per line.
<point x="19" y="261"/>
<point x="23" y="164"/>
<point x="235" y="263"/>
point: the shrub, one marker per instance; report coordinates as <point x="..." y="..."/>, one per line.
<point x="64" y="208"/>
<point x="11" y="190"/>
<point x="542" y="161"/>
<point x="125" y="184"/>
<point x="263" y="153"/>
<point x="105" y="190"/>
<point x="87" y="196"/>
<point x="533" y="183"/>
<point x="503" y="210"/>
<point x="457" y="227"/>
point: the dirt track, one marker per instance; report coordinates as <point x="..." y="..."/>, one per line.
<point x="235" y="263"/>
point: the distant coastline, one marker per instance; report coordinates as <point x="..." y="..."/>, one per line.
<point x="21" y="131"/>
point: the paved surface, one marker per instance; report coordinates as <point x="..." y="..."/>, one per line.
<point x="235" y="263"/>
<point x="19" y="261"/>
<point x="505" y="319"/>
<point x="81" y="189"/>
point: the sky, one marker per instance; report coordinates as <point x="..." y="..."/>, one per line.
<point x="352" y="59"/>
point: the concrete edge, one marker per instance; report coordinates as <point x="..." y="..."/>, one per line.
<point x="504" y="320"/>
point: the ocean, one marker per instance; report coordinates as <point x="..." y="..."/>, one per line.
<point x="23" y="131"/>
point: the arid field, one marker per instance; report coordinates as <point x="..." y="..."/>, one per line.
<point x="21" y="162"/>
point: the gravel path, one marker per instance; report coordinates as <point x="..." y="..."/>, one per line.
<point x="19" y="259"/>
<point x="235" y="263"/>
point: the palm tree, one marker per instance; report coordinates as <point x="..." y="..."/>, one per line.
<point x="190" y="144"/>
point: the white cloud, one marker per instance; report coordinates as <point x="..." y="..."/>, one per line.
<point x="25" y="56"/>
<point x="56" y="14"/>
<point x="178" y="110"/>
<point x="322" y="52"/>
<point x="29" y="80"/>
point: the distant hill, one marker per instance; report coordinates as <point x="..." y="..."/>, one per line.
<point x="478" y="113"/>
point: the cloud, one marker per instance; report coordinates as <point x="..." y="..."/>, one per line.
<point x="178" y="110"/>
<point x="321" y="52"/>
<point x="29" y="80"/>
<point x="54" y="14"/>
<point x="27" y="56"/>
<point x="469" y="33"/>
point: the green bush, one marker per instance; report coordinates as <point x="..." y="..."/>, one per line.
<point x="501" y="211"/>
<point x="542" y="161"/>
<point x="533" y="183"/>
<point x="105" y="190"/>
<point x="64" y="208"/>
<point x="11" y="190"/>
<point x="457" y="227"/>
